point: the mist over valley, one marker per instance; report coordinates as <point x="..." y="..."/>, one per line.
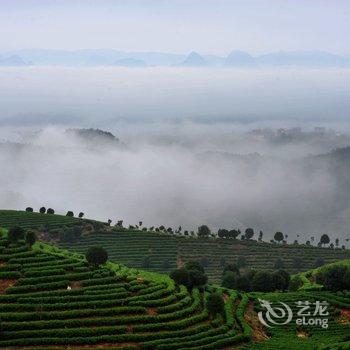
<point x="191" y="150"/>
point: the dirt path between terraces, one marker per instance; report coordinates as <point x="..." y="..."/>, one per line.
<point x="252" y="319"/>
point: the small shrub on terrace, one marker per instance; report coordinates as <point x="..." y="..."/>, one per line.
<point x="96" y="256"/>
<point x="15" y="233"/>
<point x="215" y="304"/>
<point x="30" y="237"/>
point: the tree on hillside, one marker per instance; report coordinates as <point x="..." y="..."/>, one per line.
<point x="30" y="237"/>
<point x="42" y="210"/>
<point x="180" y="276"/>
<point x="231" y="268"/>
<point x="194" y="265"/>
<point x="50" y="211"/>
<point x="337" y="242"/>
<point x="70" y="213"/>
<point x="229" y="280"/>
<point x="191" y="275"/>
<point x="233" y="234"/>
<point x="278" y="236"/>
<point x="295" y="283"/>
<point x="262" y="282"/>
<point x="223" y="233"/>
<point x="29" y="210"/>
<point x="260" y="236"/>
<point x="280" y="280"/>
<point x="15" y="233"/>
<point x="243" y="283"/>
<point x="81" y="214"/>
<point x="324" y="239"/>
<point x="203" y="231"/>
<point x="96" y="256"/>
<point x="332" y="277"/>
<point x="249" y="233"/>
<point x="197" y="278"/>
<point x="215" y="304"/>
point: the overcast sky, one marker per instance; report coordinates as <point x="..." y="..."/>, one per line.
<point x="206" y="26"/>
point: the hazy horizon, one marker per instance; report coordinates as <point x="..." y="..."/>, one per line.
<point x="177" y="26"/>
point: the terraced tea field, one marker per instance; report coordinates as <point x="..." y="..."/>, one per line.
<point x="51" y="299"/>
<point x="9" y="218"/>
<point x="162" y="252"/>
<point x="165" y="252"/>
<point x="54" y="300"/>
<point x="257" y="255"/>
<point x="131" y="247"/>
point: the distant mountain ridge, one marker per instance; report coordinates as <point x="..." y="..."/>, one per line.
<point x="12" y="61"/>
<point x="240" y="59"/>
<point x="194" y="59"/>
<point x="111" y="57"/>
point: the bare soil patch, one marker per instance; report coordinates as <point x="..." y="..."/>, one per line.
<point x="140" y="280"/>
<point x="152" y="310"/>
<point x="6" y="283"/>
<point x="252" y="319"/>
<point x="76" y="285"/>
<point x="179" y="263"/>
<point x="301" y="333"/>
<point x="344" y="317"/>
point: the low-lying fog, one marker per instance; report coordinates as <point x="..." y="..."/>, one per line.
<point x="187" y="153"/>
